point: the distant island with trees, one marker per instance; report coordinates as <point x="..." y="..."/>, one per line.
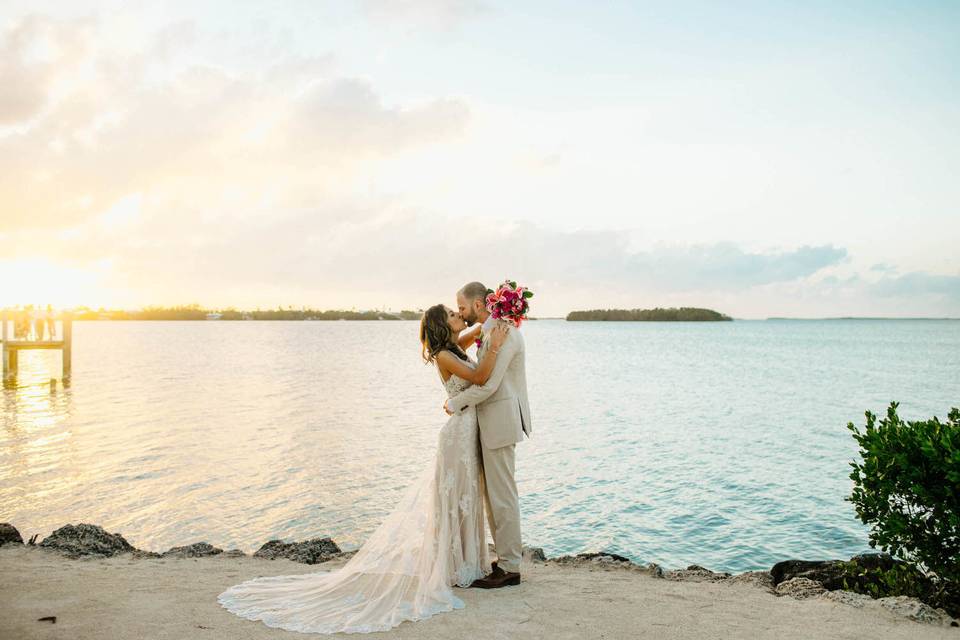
<point x="671" y="314"/>
<point x="195" y="312"/>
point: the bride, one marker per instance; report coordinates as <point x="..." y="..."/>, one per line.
<point x="433" y="539"/>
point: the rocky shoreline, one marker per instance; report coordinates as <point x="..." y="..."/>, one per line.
<point x="797" y="579"/>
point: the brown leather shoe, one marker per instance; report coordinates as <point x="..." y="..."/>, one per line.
<point x="497" y="578"/>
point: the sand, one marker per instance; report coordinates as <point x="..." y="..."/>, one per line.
<point x="158" y="598"/>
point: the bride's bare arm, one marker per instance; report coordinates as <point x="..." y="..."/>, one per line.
<point x="467" y="338"/>
<point x="451" y="364"/>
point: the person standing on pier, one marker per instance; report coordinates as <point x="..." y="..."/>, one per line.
<point x="51" y="323"/>
<point x="28" y="322"/>
<point x="36" y="315"/>
<point x="21" y="324"/>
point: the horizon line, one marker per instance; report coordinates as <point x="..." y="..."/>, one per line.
<point x="280" y="308"/>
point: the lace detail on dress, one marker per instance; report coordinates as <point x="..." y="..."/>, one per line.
<point x="454" y="385"/>
<point x="433" y="539"/>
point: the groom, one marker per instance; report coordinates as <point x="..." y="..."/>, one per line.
<point x="503" y="414"/>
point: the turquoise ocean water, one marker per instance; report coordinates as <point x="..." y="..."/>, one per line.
<point x="721" y="444"/>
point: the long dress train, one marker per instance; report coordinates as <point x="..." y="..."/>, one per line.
<point x="432" y="540"/>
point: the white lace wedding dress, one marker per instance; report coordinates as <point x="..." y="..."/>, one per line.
<point x="432" y="540"/>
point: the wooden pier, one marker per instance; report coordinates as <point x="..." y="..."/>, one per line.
<point x="12" y="348"/>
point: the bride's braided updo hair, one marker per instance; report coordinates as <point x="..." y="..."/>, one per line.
<point x="435" y="334"/>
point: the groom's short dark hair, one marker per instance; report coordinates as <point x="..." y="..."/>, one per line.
<point x="474" y="291"/>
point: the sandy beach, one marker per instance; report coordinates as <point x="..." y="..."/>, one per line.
<point x="127" y="598"/>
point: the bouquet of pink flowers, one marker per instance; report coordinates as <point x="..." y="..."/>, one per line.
<point x="509" y="302"/>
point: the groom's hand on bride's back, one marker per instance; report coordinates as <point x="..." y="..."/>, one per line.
<point x="499" y="335"/>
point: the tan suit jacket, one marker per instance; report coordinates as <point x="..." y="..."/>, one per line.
<point x="503" y="411"/>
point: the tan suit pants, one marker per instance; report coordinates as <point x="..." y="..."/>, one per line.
<point x="503" y="505"/>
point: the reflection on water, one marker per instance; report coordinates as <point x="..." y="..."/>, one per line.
<point x="718" y="443"/>
<point x="35" y="443"/>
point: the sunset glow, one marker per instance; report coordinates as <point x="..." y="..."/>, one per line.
<point x="365" y="155"/>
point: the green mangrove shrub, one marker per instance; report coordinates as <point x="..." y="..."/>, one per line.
<point x="900" y="579"/>
<point x="907" y="489"/>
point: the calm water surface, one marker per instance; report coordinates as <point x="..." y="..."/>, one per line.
<point x="722" y="444"/>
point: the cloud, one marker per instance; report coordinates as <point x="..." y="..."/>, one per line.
<point x="727" y="266"/>
<point x="430" y="14"/>
<point x="918" y="283"/>
<point x="358" y="248"/>
<point x="173" y="179"/>
<point x="36" y="53"/>
<point x="347" y="117"/>
<point x="191" y="135"/>
<point x="366" y="251"/>
<point x="382" y="248"/>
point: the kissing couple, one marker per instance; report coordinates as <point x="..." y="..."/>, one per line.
<point x="435" y="537"/>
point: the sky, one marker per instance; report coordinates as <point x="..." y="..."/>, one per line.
<point x="758" y="158"/>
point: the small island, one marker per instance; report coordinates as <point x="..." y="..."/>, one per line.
<point x="671" y="314"/>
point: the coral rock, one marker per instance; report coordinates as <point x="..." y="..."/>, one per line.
<point x="9" y="534"/>
<point x="308" y="552"/>
<point x="86" y="540"/>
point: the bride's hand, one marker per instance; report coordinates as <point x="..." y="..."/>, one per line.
<point x="499" y="335"/>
